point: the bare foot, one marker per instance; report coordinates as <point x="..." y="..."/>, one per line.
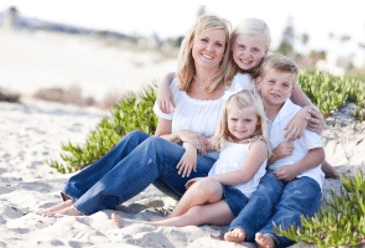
<point x="264" y="240"/>
<point x="236" y="235"/>
<point x="70" y="211"/>
<point x="59" y="207"/>
<point x="117" y="221"/>
<point x="329" y="171"/>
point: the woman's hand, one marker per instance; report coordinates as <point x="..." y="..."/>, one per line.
<point x="315" y="120"/>
<point x="196" y="139"/>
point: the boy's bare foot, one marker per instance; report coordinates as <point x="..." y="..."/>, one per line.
<point x="329" y="171"/>
<point x="117" y="221"/>
<point x="236" y="235"/>
<point x="59" y="207"/>
<point x="264" y="240"/>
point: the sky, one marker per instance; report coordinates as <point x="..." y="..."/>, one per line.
<point x="317" y="18"/>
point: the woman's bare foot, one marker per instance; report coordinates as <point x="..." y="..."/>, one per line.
<point x="236" y="235"/>
<point x="71" y="211"/>
<point x="59" y="207"/>
<point x="117" y="221"/>
<point x="264" y="240"/>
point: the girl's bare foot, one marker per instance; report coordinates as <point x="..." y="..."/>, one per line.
<point x="236" y="235"/>
<point x="264" y="240"/>
<point x="59" y="207"/>
<point x="117" y="221"/>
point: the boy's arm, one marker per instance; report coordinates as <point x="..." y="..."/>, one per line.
<point x="256" y="156"/>
<point x="314" y="158"/>
<point x="284" y="149"/>
<point x="165" y="98"/>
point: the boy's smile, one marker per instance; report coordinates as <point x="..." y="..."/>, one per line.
<point x="275" y="87"/>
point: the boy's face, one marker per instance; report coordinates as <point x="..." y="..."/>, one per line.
<point x="248" y="51"/>
<point x="275" y="87"/>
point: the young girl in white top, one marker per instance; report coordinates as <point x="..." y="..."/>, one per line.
<point x="219" y="197"/>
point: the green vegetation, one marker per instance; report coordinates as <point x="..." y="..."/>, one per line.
<point x="340" y="223"/>
<point x="131" y="113"/>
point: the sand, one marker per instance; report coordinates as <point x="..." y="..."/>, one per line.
<point x="32" y="132"/>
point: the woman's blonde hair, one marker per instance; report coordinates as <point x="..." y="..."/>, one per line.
<point x="250" y="27"/>
<point x="240" y="100"/>
<point x="186" y="66"/>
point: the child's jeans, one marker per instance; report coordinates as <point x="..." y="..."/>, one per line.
<point x="278" y="202"/>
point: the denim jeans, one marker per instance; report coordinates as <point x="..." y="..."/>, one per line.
<point x="133" y="164"/>
<point x="278" y="202"/>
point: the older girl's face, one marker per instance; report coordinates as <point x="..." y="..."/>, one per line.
<point x="208" y="48"/>
<point x="249" y="50"/>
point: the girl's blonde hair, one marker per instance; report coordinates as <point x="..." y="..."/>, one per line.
<point x="240" y="100"/>
<point x="186" y="66"/>
<point x="250" y="27"/>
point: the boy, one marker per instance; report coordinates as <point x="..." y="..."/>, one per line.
<point x="292" y="185"/>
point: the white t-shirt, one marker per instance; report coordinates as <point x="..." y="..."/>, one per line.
<point x="308" y="141"/>
<point x="194" y="114"/>
<point x="232" y="158"/>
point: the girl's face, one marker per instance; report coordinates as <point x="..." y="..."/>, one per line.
<point x="208" y="48"/>
<point x="248" y="51"/>
<point x="242" y="122"/>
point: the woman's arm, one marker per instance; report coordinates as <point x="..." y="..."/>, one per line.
<point x="165" y="98"/>
<point x="257" y="154"/>
<point x="164" y="130"/>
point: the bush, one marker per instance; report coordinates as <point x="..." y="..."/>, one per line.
<point x="131" y="113"/>
<point x="340" y="223"/>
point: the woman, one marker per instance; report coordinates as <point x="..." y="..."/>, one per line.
<point x="138" y="160"/>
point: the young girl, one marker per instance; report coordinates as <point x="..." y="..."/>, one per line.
<point x="250" y="43"/>
<point x="219" y="197"/>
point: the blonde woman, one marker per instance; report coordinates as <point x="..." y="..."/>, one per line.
<point x="139" y="160"/>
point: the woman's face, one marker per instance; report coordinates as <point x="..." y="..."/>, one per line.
<point x="208" y="48"/>
<point x="248" y="51"/>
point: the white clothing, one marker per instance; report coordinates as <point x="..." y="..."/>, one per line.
<point x="232" y="158"/>
<point x="308" y="141"/>
<point x="244" y="81"/>
<point x="196" y="115"/>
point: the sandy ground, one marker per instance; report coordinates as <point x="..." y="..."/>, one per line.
<point x="32" y="132"/>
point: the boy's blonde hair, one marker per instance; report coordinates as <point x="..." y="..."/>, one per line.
<point x="242" y="99"/>
<point x="186" y="66"/>
<point x="279" y="63"/>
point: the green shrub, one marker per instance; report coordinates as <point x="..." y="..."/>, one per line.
<point x="131" y="113"/>
<point x="340" y="223"/>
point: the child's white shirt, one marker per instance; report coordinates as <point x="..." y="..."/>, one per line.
<point x="308" y="141"/>
<point x="232" y="158"/>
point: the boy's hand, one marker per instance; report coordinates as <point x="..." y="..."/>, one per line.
<point x="286" y="173"/>
<point x="192" y="181"/>
<point x="165" y="99"/>
<point x="284" y="149"/>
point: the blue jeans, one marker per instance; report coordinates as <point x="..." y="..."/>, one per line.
<point x="284" y="204"/>
<point x="133" y="164"/>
